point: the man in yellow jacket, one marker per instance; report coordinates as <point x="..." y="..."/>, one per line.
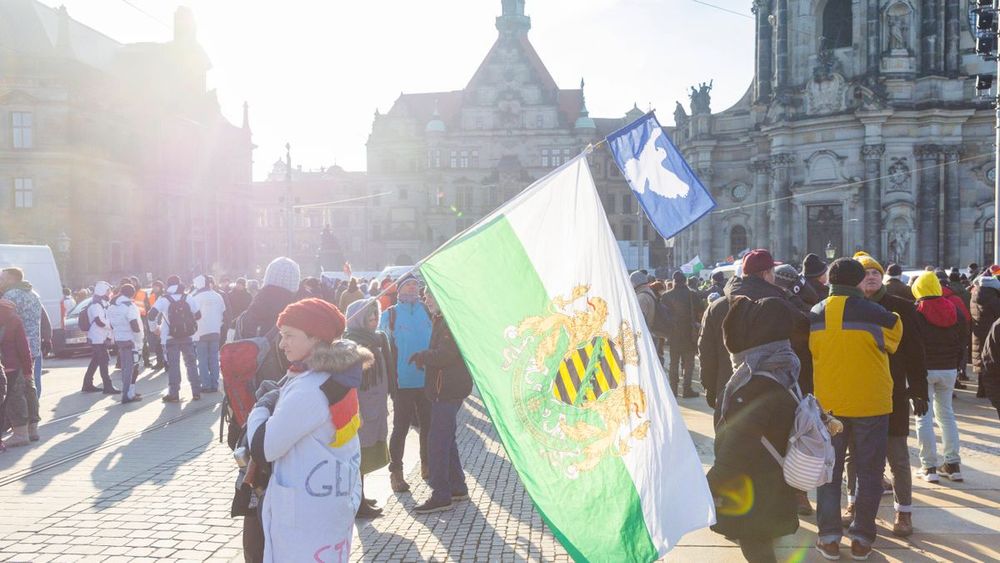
<point x="850" y="339"/>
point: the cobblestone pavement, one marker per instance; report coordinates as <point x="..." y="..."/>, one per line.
<point x="148" y="481"/>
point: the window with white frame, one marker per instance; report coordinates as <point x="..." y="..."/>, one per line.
<point x="545" y="158"/>
<point x="463" y="159"/>
<point x="24" y="193"/>
<point x="474" y="159"/>
<point x="21" y="125"/>
<point x="434" y="158"/>
<point x="454" y="159"/>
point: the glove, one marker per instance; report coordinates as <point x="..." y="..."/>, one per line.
<point x="919" y="406"/>
<point x="265" y="387"/>
<point x="268" y="400"/>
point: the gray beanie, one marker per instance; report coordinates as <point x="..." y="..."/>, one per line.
<point x="638" y="278"/>
<point x="785" y="276"/>
<point x="283" y="272"/>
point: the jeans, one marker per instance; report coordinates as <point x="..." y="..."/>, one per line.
<point x="447" y="477"/>
<point x="38" y="376"/>
<point x="898" y="456"/>
<point x="174" y="351"/>
<point x="208" y="360"/>
<point x="685" y="358"/>
<point x="98" y="359"/>
<point x="867" y="437"/>
<point x="940" y="383"/>
<point x="128" y="367"/>
<point x="408" y="405"/>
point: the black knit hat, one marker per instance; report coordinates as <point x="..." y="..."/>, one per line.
<point x="813" y="266"/>
<point x="846" y="271"/>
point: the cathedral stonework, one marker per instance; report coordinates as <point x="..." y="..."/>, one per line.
<point x="864" y="132"/>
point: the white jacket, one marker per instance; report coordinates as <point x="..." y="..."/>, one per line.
<point x="98" y="334"/>
<point x="121" y="313"/>
<point x="315" y="487"/>
<point x="212" y="307"/>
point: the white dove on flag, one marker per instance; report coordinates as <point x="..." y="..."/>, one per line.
<point x="648" y="170"/>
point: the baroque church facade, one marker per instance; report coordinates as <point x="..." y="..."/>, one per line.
<point x="862" y="130"/>
<point x="443" y="160"/>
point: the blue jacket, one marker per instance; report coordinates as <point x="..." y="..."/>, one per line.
<point x="409" y="329"/>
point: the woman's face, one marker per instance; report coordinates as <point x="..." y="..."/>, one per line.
<point x="371" y="321"/>
<point x="296" y="344"/>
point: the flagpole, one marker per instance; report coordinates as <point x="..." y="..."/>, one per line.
<point x="638" y="218"/>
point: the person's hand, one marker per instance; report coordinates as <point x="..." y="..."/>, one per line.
<point x="269" y="400"/>
<point x="919" y="406"/>
<point x="417" y="359"/>
<point x="266" y="387"/>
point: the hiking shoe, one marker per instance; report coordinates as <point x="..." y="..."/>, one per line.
<point x="455" y="497"/>
<point x="928" y="474"/>
<point x="959" y="385"/>
<point x="860" y="551"/>
<point x="802" y="499"/>
<point x="171" y="399"/>
<point x="903" y="526"/>
<point x="951" y="471"/>
<point x="848" y="516"/>
<point x="433" y="506"/>
<point x="690" y="394"/>
<point x="398" y="483"/>
<point x="110" y="390"/>
<point x="829" y="551"/>
<point x="135" y="399"/>
<point x="90" y="389"/>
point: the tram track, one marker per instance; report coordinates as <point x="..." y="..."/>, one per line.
<point x="22" y="474"/>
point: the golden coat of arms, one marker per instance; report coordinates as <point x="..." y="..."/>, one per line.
<point x="569" y="382"/>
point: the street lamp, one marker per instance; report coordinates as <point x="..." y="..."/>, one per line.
<point x="831" y="252"/>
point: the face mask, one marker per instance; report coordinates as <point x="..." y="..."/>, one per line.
<point x="408" y="299"/>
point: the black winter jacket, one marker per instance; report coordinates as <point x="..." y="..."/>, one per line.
<point x="944" y="332"/>
<point x="984" y="307"/>
<point x="909" y="374"/>
<point x="990" y="376"/>
<point x="683" y="305"/>
<point x="762" y="407"/>
<point x="447" y="377"/>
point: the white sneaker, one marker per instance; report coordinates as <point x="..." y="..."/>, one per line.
<point x="928" y="474"/>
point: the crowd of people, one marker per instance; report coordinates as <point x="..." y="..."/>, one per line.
<point x="870" y="346"/>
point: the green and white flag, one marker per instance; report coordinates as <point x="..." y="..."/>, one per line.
<point x="693" y="267"/>
<point x="539" y="301"/>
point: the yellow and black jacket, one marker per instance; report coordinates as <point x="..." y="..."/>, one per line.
<point x="850" y="339"/>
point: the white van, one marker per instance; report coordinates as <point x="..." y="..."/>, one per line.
<point x="40" y="271"/>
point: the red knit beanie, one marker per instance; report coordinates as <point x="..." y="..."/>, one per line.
<point x="315" y="317"/>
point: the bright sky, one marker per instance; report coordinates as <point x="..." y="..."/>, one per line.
<point x="314" y="71"/>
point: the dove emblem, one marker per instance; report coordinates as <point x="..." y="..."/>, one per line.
<point x="648" y="171"/>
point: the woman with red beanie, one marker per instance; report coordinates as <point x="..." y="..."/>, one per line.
<point x="307" y="429"/>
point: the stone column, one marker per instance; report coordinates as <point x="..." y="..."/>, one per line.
<point x="874" y="36"/>
<point x="872" y="155"/>
<point x="952" y="30"/>
<point x="763" y="70"/>
<point x="927" y="204"/>
<point x="781" y="54"/>
<point x="706" y="226"/>
<point x="929" y="37"/>
<point x="952" y="207"/>
<point x="761" y="170"/>
<point x="781" y="238"/>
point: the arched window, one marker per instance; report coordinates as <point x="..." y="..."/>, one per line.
<point x="837" y="24"/>
<point x="737" y="240"/>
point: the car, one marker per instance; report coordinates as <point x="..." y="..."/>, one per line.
<point x="71" y="341"/>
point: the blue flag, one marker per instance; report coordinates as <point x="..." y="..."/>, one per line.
<point x="668" y="190"/>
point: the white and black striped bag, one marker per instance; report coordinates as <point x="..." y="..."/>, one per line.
<point x="809" y="457"/>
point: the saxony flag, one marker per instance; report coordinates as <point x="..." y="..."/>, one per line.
<point x="540" y="304"/>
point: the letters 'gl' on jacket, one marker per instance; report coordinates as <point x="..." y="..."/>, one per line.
<point x="850" y="339"/>
<point x="409" y="334"/>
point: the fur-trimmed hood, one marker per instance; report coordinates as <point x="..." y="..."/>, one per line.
<point x="339" y="357"/>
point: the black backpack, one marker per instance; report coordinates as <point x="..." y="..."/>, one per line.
<point x="83" y="321"/>
<point x="180" y="318"/>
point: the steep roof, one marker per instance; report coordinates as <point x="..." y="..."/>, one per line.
<point x="32" y="28"/>
<point x="527" y="50"/>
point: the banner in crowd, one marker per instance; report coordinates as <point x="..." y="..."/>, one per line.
<point x="538" y="299"/>
<point x="669" y="191"/>
<point x="693" y="266"/>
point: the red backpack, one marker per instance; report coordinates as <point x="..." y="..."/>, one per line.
<point x="244" y="364"/>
